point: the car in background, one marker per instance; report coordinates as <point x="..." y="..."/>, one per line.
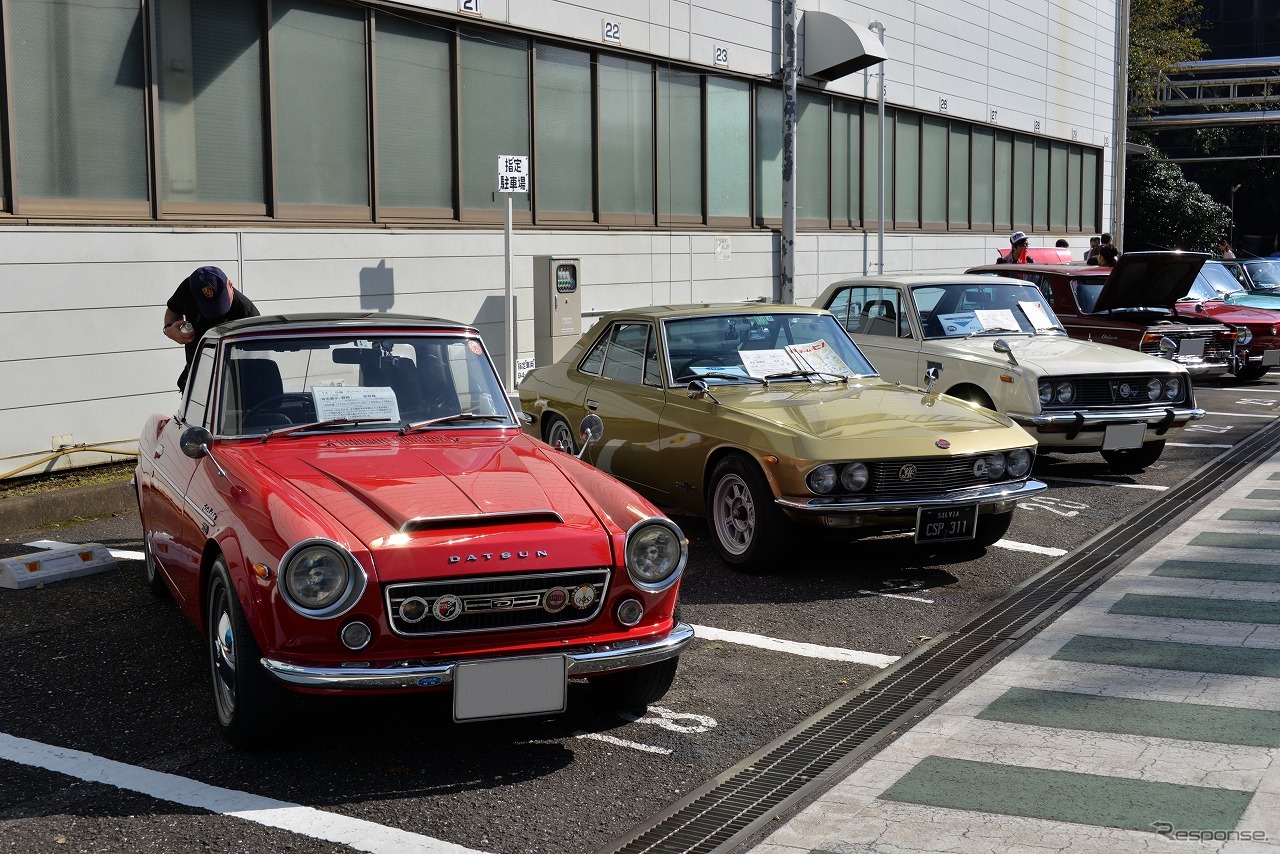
<point x="1133" y="305"/>
<point x="1218" y="295"/>
<point x="765" y="418"/>
<point x="997" y="343"/>
<point x="1257" y="274"/>
<point x="346" y="503"/>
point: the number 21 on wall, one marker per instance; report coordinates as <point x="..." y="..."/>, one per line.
<point x="471" y="7"/>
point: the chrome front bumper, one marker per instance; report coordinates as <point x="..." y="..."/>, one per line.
<point x="1084" y="419"/>
<point x="997" y="494"/>
<point x="583" y="661"/>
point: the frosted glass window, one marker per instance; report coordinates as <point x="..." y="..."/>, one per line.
<point x="980" y="180"/>
<point x="933" y="170"/>
<point x="210" y="86"/>
<point x="1002" y="179"/>
<point x="1024" y="148"/>
<point x="626" y="137"/>
<point x="813" y="134"/>
<point x="768" y="153"/>
<point x="846" y="163"/>
<point x="79" y="99"/>
<point x="1089" y="189"/>
<point x="1073" y="187"/>
<point x="870" y="161"/>
<point x="322" y="131"/>
<point x="1040" y="198"/>
<point x="1058" y="186"/>
<point x="906" y="183"/>
<point x="679" y="143"/>
<point x="415" y="116"/>
<point x="494" y="114"/>
<point x="728" y="148"/>
<point x="563" y="128"/>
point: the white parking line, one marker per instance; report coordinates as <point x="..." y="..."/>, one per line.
<point x="896" y="596"/>
<point x="808" y="650"/>
<point x="622" y="742"/>
<point x="1194" y="445"/>
<point x="304" y="821"/>
<point x="1241" y="415"/>
<point x="1015" y="546"/>
<point x="1104" y="482"/>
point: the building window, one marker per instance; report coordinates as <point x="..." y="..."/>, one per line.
<point x="813" y="173"/>
<point x="1024" y="149"/>
<point x="79" y="103"/>
<point x="494" y="109"/>
<point x="1040" y="195"/>
<point x="906" y="180"/>
<point x="626" y="140"/>
<point x="846" y="163"/>
<point x="1089" y="190"/>
<point x="1002" y="181"/>
<point x="562" y="131"/>
<point x="728" y="149"/>
<point x="1073" y="188"/>
<point x="1058" y="186"/>
<point x="415" y="118"/>
<point x="210" y="98"/>
<point x="870" y="164"/>
<point x="679" y="146"/>
<point x="983" y="182"/>
<point x="322" y="124"/>
<point x="768" y="154"/>
<point x="934" y="186"/>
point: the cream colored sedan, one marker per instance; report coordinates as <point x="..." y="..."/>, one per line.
<point x="996" y="342"/>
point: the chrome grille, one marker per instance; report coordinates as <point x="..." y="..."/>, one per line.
<point x="1101" y="392"/>
<point x="1213" y="348"/>
<point x="926" y="477"/>
<point x="498" y="603"/>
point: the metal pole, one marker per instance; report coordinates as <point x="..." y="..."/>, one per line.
<point x="878" y="29"/>
<point x="511" y="303"/>
<point x="786" y="288"/>
<point x="1121" y="132"/>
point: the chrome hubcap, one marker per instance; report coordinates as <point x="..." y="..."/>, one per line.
<point x="224" y="656"/>
<point x="734" y="514"/>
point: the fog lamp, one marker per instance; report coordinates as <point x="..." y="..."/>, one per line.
<point x="356" y="635"/>
<point x="630" y="612"/>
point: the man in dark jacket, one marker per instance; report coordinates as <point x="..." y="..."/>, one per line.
<point x="205" y="299"/>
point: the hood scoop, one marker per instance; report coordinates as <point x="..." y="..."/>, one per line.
<point x="482" y="520"/>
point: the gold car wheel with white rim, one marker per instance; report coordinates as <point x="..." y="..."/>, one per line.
<point x="747" y="526"/>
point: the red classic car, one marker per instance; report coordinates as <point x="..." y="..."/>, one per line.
<point x="1134" y="305"/>
<point x="1257" y="344"/>
<point x="347" y="503"/>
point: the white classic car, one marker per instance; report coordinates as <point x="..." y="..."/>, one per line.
<point x="996" y="342"/>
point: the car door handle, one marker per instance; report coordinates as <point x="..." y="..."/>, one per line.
<point x="592" y="405"/>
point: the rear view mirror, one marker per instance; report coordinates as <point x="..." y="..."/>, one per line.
<point x="591" y="430"/>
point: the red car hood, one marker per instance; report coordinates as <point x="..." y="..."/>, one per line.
<point x="1228" y="313"/>
<point x="451" y="492"/>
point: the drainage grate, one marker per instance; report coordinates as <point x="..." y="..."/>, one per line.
<point x="730" y="809"/>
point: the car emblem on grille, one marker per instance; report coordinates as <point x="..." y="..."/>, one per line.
<point x="583" y="596"/>
<point x="555" y="600"/>
<point x="980" y="467"/>
<point x="448" y="607"/>
<point x="1123" y="390"/>
<point x="943" y="444"/>
<point x="908" y="472"/>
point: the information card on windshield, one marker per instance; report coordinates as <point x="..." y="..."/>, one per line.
<point x="355" y="402"/>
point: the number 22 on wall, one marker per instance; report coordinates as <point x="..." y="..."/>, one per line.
<point x="611" y="31"/>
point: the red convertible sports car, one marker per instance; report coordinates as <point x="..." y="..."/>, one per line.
<point x="346" y="503"/>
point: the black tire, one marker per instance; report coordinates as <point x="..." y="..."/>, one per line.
<point x="246" y="700"/>
<point x="992" y="527"/>
<point x="155" y="581"/>
<point x="1248" y="375"/>
<point x="746" y="526"/>
<point x="1134" y="459"/>
<point x="632" y="690"/>
<point x="556" y="433"/>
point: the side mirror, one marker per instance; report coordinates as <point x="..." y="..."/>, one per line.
<point x="195" y="442"/>
<point x="1003" y="346"/>
<point x="591" y="429"/>
<point x="931" y="376"/>
<point x="1168" y="346"/>
<point x="698" y="389"/>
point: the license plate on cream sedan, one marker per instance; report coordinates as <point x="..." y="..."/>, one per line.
<point x="942" y="524"/>
<point x="509" y="688"/>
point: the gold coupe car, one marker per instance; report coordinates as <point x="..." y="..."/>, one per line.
<point x="762" y="417"/>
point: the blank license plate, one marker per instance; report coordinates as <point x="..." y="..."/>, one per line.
<point x="1122" y="436"/>
<point x="1191" y="347"/>
<point x="941" y="524"/>
<point x="509" y="688"/>
<point x="1271" y="358"/>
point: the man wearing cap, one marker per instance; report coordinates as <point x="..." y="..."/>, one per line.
<point x="205" y="299"/>
<point x="1018" y="254"/>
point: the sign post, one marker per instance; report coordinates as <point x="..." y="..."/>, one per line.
<point x="513" y="177"/>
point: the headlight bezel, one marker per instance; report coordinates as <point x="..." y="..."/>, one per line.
<point x="1244" y="335"/>
<point x="1155" y="389"/>
<point x="826" y="472"/>
<point x="682" y="555"/>
<point x="1045" y="390"/>
<point x="1064" y="392"/>
<point x="1011" y="468"/>
<point x="352" y="589"/>
<point x="854" y="467"/>
<point x="1173" y="388"/>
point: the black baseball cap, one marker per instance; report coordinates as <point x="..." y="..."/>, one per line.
<point x="211" y="289"/>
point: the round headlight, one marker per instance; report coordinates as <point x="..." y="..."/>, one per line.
<point x="1244" y="335"/>
<point x="1173" y="388"/>
<point x="1046" y="393"/>
<point x="1018" y="462"/>
<point x="1154" y="389"/>
<point x="822" y="479"/>
<point x="317" y="577"/>
<point x="853" y="477"/>
<point x="994" y="466"/>
<point x="656" y="553"/>
<point x="1065" y="392"/>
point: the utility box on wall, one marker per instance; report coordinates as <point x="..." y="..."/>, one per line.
<point x="557" y="306"/>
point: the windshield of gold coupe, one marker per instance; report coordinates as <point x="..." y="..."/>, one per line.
<point x="965" y="310"/>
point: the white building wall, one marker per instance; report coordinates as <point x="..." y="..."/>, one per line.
<point x="82" y="354"/>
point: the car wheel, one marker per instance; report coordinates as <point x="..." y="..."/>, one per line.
<point x="634" y="689"/>
<point x="558" y="435"/>
<point x="747" y="527"/>
<point x="1248" y="375"/>
<point x="155" y="582"/>
<point x="246" y="699"/>
<point x="992" y="527"/>
<point x="1134" y="459"/>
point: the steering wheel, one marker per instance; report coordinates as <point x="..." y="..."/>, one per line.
<point x="302" y="398"/>
<point x="709" y="361"/>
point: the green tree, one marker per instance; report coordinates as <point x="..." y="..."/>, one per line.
<point x="1162" y="33"/>
<point x="1167" y="211"/>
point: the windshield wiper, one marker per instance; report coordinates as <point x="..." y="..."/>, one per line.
<point x="991" y="329"/>
<point x="802" y="373"/>
<point x="316" y="425"/>
<point x="718" y="376"/>
<point x="444" y="419"/>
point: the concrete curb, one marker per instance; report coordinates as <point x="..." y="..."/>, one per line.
<point x="31" y="511"/>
